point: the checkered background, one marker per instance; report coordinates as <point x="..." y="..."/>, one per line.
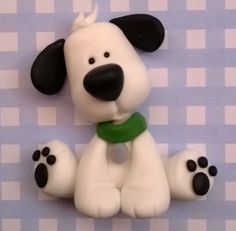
<point x="192" y="104"/>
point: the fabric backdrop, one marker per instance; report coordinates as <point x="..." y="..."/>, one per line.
<point x="192" y="104"/>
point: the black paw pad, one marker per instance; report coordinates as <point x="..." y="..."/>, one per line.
<point x="201" y="184"/>
<point x="45" y="151"/>
<point x="51" y="159"/>
<point x="202" y="162"/>
<point x="36" y="155"/>
<point x="191" y="165"/>
<point x="41" y="175"/>
<point x="41" y="170"/>
<point x="213" y="170"/>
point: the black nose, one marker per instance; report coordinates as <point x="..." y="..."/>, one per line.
<point x="105" y="82"/>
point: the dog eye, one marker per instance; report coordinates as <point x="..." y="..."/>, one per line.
<point x="91" y="60"/>
<point x="106" y="54"/>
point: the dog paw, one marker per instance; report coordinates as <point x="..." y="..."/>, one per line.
<point x="189" y="175"/>
<point x="201" y="182"/>
<point x="41" y="170"/>
<point x="55" y="169"/>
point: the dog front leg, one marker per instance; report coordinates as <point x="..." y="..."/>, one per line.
<point x="145" y="192"/>
<point x="95" y="193"/>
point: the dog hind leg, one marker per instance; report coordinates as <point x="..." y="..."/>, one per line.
<point x="55" y="169"/>
<point x="189" y="175"/>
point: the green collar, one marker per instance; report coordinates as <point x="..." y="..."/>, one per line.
<point x="121" y="133"/>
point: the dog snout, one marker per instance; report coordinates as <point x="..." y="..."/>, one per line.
<point x="105" y="82"/>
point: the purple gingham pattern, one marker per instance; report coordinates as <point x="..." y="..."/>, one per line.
<point x="192" y="104"/>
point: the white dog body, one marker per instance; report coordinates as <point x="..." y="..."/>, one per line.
<point x="142" y="185"/>
<point x="130" y="186"/>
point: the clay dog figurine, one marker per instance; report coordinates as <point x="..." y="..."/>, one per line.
<point x="108" y="81"/>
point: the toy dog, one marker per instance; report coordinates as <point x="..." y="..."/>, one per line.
<point x="108" y="81"/>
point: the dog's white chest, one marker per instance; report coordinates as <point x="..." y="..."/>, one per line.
<point x="119" y="156"/>
<point x="118" y="153"/>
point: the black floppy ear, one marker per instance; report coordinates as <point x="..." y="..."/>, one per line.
<point x="48" y="71"/>
<point x="143" y="31"/>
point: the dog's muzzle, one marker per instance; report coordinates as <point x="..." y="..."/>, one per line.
<point x="105" y="82"/>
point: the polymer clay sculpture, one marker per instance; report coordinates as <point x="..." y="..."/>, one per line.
<point x="108" y="81"/>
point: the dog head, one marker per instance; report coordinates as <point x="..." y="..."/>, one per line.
<point x="107" y="78"/>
